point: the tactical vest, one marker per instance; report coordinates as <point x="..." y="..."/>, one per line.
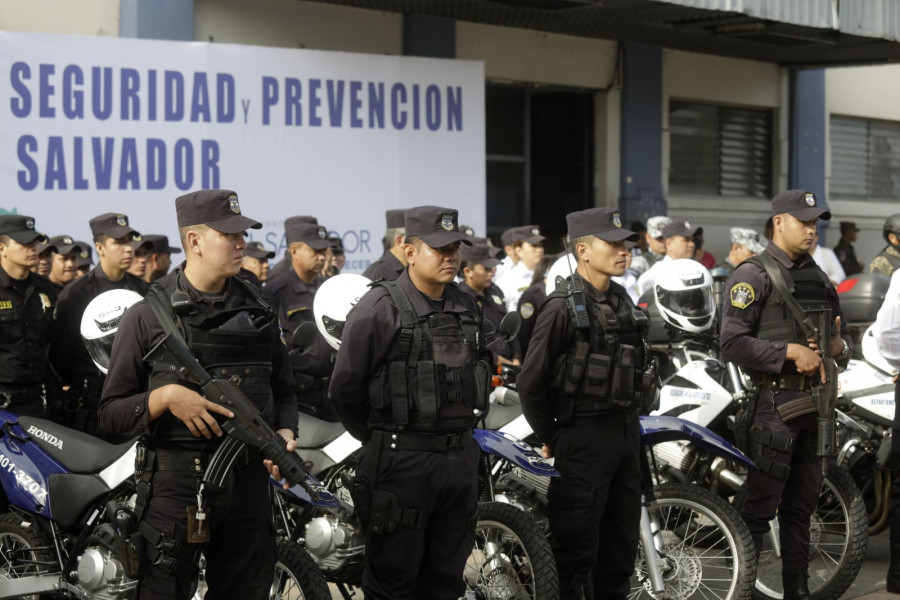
<point x="233" y="341"/>
<point x="809" y="287"/>
<point x="434" y="380"/>
<point x="604" y="370"/>
<point x="892" y="255"/>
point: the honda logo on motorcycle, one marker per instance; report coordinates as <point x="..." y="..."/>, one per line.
<point x="50" y="439"/>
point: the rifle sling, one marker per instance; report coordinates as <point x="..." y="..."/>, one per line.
<point x="776" y="273"/>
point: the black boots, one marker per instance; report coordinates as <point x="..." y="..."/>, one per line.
<point x="893" y="574"/>
<point x="795" y="585"/>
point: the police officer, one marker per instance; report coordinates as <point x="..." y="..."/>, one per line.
<point x="760" y="334"/>
<point x="336" y="256"/>
<point x="64" y="260"/>
<point x="159" y="256"/>
<point x="531" y="300"/>
<point x="141" y="398"/>
<point x="115" y="241"/>
<point x="138" y="266"/>
<point x="579" y="388"/>
<point x="45" y="257"/>
<point x="84" y="262"/>
<point x="478" y="264"/>
<point x="291" y="295"/>
<point x="887" y="261"/>
<point x="656" y="244"/>
<point x="26" y="314"/>
<point x="393" y="261"/>
<point x="285" y="263"/>
<point x="419" y="463"/>
<point x="744" y="244"/>
<point x="678" y="241"/>
<point x="528" y="246"/>
<point x="255" y="264"/>
<point x="845" y="251"/>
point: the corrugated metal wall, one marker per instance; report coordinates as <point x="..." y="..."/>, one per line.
<point x="872" y="18"/>
<point x="809" y="13"/>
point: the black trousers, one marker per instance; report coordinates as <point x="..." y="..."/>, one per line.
<point x="595" y="506"/>
<point x="428" y="562"/>
<point x="240" y="555"/>
<point x="25" y="401"/>
<point x="794" y="498"/>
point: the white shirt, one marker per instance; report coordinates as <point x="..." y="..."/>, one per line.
<point x="505" y="265"/>
<point x="887" y="324"/>
<point x="628" y="281"/>
<point x="648" y="278"/>
<point x="828" y="262"/>
<point x="513" y="282"/>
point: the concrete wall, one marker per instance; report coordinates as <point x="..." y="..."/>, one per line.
<point x="84" y="17"/>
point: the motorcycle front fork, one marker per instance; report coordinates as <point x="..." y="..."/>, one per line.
<point x="651" y="545"/>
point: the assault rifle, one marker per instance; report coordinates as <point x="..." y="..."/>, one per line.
<point x="247" y="427"/>
<point x="825" y="394"/>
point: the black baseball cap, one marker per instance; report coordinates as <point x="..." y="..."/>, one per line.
<point x="63" y="244"/>
<point x="849" y="226"/>
<point x="509" y="236"/>
<point x="21" y="229"/>
<point x="604" y="223"/>
<point x="395" y="218"/>
<point x="800" y="204"/>
<point x="531" y="234"/>
<point x="258" y="251"/>
<point x="219" y="209"/>
<point x="486" y="242"/>
<point x="114" y="225"/>
<point x="159" y="244"/>
<point x="314" y="236"/>
<point x="291" y="221"/>
<point x="435" y="226"/>
<point x="85" y="257"/>
<point x="682" y="228"/>
<point x="480" y="254"/>
<point x="337" y="244"/>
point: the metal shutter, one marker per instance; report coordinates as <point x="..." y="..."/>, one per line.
<point x="849" y="158"/>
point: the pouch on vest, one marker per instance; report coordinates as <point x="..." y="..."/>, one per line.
<point x="596" y="376"/>
<point x="621" y="388"/>
<point x="482" y="385"/>
<point x="575" y="367"/>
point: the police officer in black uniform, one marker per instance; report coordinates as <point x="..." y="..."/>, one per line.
<point x="419" y="464"/>
<point x="27" y="302"/>
<point x="760" y="334"/>
<point x="393" y="261"/>
<point x="63" y="261"/>
<point x="115" y="242"/>
<point x="228" y="326"/>
<point x="284" y="264"/>
<point x="478" y="264"/>
<point x="291" y="295"/>
<point x="255" y="266"/>
<point x="581" y="388"/>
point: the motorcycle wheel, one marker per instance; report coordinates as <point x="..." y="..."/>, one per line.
<point x="23" y="549"/>
<point x="706" y="548"/>
<point x="297" y="577"/>
<point x="837" y="545"/>
<point x="511" y="559"/>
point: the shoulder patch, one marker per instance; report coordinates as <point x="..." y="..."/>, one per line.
<point x="5" y="304"/>
<point x="527" y="310"/>
<point x="742" y="295"/>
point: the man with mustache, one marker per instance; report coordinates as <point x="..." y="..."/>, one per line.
<point x="115" y="241"/>
<point x="26" y="315"/>
<point x="761" y="334"/>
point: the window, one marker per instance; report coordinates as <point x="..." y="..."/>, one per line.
<point x="865" y="159"/>
<point x="719" y="150"/>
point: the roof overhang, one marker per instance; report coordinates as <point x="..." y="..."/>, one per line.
<point x="800" y="33"/>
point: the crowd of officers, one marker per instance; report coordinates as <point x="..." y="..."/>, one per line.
<point x="411" y="378"/>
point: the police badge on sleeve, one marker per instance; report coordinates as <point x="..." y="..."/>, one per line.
<point x="742" y="295"/>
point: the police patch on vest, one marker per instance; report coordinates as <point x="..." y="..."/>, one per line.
<point x="5" y="304"/>
<point x="526" y="310"/>
<point x="234" y="205"/>
<point x="45" y="302"/>
<point x="742" y="295"/>
<point x="497" y="299"/>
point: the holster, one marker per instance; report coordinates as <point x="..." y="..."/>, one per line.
<point x="379" y="511"/>
<point x="743" y="420"/>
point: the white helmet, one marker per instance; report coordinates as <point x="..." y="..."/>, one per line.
<point x="560" y="269"/>
<point x="333" y="301"/>
<point x="100" y="322"/>
<point x="684" y="295"/>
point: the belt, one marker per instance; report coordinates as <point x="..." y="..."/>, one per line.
<point x="182" y="461"/>
<point x="793" y="383"/>
<point x="428" y="442"/>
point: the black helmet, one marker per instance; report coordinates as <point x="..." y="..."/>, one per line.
<point x="891" y="225"/>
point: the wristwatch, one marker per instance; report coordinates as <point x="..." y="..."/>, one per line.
<point x="845" y="353"/>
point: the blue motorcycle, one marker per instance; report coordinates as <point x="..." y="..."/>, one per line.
<point x="67" y="524"/>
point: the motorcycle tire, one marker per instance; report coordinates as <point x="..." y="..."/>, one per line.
<point x="23" y="549"/>
<point x="706" y="548"/>
<point x="838" y="542"/>
<point x="511" y="559"/>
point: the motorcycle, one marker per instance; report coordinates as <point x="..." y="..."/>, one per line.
<point x="68" y="526"/>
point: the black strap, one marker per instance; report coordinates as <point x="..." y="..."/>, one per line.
<point x="776" y="273"/>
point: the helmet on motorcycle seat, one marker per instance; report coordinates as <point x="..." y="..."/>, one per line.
<point x="100" y="322"/>
<point x="332" y="302"/>
<point x="684" y="296"/>
<point x="891" y="225"/>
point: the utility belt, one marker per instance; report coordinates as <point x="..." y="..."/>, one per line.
<point x="787" y="383"/>
<point x="17" y="395"/>
<point x="612" y="413"/>
<point x="427" y="442"/>
<point x="307" y="383"/>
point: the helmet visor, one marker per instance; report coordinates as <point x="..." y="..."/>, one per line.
<point x="697" y="302"/>
<point x="99" y="349"/>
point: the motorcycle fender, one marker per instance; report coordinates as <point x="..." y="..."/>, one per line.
<point x="514" y="450"/>
<point x="326" y="499"/>
<point x="655" y="430"/>
<point x="25" y="469"/>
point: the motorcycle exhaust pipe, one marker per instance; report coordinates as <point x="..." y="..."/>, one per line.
<point x="725" y="475"/>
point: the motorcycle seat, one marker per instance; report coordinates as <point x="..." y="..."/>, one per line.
<point x="316" y="433"/>
<point x="77" y="451"/>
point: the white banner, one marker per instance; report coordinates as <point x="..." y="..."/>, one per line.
<point x="92" y="125"/>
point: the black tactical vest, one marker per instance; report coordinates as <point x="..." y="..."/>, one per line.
<point x="604" y="368"/>
<point x="234" y="341"/>
<point x="809" y="286"/>
<point x="434" y="380"/>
